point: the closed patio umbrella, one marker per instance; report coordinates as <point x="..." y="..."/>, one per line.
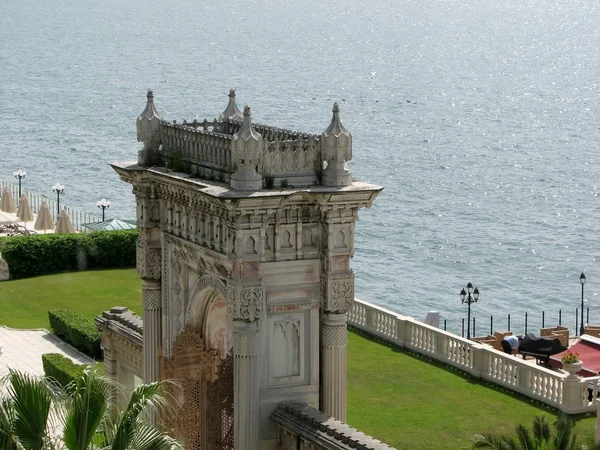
<point x="64" y="224"/>
<point x="44" y="219"/>
<point x="7" y="204"/>
<point x="24" y="213"/>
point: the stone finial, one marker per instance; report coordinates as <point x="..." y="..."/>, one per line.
<point x="148" y="128"/>
<point x="336" y="149"/>
<point x="246" y="153"/>
<point x="232" y="112"/>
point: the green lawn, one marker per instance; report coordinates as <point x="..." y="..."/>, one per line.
<point x="410" y="402"/>
<point x="402" y="399"/>
<point x="25" y="303"/>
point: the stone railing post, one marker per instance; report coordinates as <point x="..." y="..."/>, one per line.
<point x="572" y="395"/>
<point x="246" y="306"/>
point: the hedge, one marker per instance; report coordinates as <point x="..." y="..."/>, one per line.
<point x="44" y="254"/>
<point x="61" y="368"/>
<point x="77" y="330"/>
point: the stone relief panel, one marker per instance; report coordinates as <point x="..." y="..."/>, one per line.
<point x="148" y="261"/>
<point x="287" y="341"/>
<point x="245" y="303"/>
<point x="337" y="294"/>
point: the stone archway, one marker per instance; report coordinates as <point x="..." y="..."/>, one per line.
<point x="201" y="365"/>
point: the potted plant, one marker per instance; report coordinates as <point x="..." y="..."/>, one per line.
<point x="571" y="363"/>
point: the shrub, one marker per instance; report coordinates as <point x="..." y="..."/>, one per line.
<point x="77" y="330"/>
<point x="34" y="255"/>
<point x="61" y="368"/>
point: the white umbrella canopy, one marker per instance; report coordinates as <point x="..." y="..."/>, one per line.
<point x="64" y="224"/>
<point x="24" y="213"/>
<point x="44" y="219"/>
<point x="7" y="204"/>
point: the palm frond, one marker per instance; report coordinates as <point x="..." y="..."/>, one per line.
<point x="8" y="440"/>
<point x="491" y="442"/>
<point x="147" y="437"/>
<point x="31" y="399"/>
<point x="564" y="427"/>
<point x="90" y="395"/>
<point x="541" y="429"/>
<point x="145" y="400"/>
<point x="524" y="438"/>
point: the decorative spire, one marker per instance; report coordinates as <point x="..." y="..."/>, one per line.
<point x="336" y="149"/>
<point x="232" y="112"/>
<point x="247" y="151"/>
<point x="335" y="127"/>
<point x="148" y="128"/>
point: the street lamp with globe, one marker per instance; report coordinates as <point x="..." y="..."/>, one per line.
<point x="58" y="189"/>
<point x="582" y="281"/>
<point x="468" y="300"/>
<point x="103" y="205"/>
<point x="19" y="175"/>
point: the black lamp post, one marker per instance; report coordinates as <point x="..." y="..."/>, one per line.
<point x="582" y="281"/>
<point x="468" y="300"/>
<point x="58" y="188"/>
<point x="103" y="205"/>
<point x="19" y="175"/>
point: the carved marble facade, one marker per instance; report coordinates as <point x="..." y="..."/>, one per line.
<point x="262" y="276"/>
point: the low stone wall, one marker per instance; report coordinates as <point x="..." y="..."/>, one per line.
<point x="306" y="428"/>
<point x="480" y="360"/>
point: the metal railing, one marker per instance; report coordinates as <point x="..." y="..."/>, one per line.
<point x="78" y="217"/>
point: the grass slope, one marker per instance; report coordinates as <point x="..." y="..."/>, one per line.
<point x="412" y="403"/>
<point x="25" y="303"/>
<point x="397" y="397"/>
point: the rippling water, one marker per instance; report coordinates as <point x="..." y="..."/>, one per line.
<point x="480" y="118"/>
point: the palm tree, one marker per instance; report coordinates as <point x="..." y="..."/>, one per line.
<point x="35" y="414"/>
<point x="541" y="439"/>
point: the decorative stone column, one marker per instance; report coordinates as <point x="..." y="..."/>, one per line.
<point x="152" y="302"/>
<point x="338" y="297"/>
<point x="245" y="402"/>
<point x="149" y="268"/>
<point x="333" y="365"/>
<point x="246" y="306"/>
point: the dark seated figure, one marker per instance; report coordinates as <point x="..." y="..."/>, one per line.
<point x="540" y="347"/>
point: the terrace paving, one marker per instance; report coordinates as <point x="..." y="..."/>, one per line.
<point x="23" y="349"/>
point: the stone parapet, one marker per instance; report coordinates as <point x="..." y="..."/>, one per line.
<point x="207" y="149"/>
<point x="123" y="322"/>
<point x="302" y="426"/>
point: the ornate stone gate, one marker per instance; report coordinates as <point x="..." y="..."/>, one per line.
<point x="246" y="236"/>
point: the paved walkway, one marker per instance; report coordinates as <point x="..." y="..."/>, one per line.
<point x="22" y="350"/>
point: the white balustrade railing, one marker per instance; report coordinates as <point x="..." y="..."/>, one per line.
<point x="78" y="218"/>
<point x="572" y="396"/>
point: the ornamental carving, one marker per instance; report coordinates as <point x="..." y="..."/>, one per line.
<point x="246" y="303"/>
<point x="338" y="295"/>
<point x="149" y="261"/>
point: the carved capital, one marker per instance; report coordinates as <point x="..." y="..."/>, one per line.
<point x="337" y="293"/>
<point x="245" y="303"/>
<point x="151" y="295"/>
<point x="149" y="261"/>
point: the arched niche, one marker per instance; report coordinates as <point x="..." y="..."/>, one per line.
<point x="208" y="315"/>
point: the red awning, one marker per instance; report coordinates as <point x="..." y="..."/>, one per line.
<point x="588" y="348"/>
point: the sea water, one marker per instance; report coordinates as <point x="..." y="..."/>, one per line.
<point x="481" y="119"/>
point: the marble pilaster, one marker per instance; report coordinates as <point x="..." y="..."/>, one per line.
<point x="245" y="366"/>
